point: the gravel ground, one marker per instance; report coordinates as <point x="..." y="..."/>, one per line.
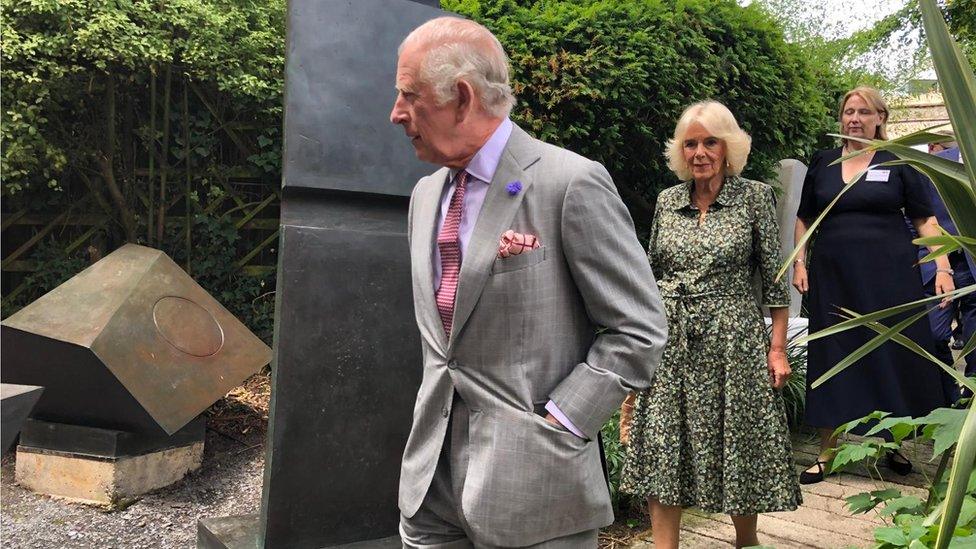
<point x="228" y="483"/>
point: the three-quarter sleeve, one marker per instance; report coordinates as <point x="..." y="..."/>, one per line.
<point x="917" y="201"/>
<point x="766" y="247"/>
<point x="808" y="210"/>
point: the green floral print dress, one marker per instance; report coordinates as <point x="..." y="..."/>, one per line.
<point x="711" y="432"/>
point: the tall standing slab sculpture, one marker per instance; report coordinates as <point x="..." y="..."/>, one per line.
<point x="790" y="174"/>
<point x="347" y="351"/>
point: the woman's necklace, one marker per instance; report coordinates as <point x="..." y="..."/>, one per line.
<point x="702" y="204"/>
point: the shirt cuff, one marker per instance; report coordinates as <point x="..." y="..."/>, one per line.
<point x="562" y="419"/>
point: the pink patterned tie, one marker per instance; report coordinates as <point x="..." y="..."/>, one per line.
<point x="449" y="244"/>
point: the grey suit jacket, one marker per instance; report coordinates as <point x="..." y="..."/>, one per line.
<point x="525" y="331"/>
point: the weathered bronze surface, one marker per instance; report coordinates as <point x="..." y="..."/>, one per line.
<point x="130" y="343"/>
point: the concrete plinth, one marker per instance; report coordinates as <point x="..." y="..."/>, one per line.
<point x="102" y="466"/>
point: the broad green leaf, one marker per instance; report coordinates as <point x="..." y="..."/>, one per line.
<point x="850" y="425"/>
<point x="861" y="503"/>
<point x="967" y="542"/>
<point x="908" y="520"/>
<point x="900" y="427"/>
<point x="902" y="503"/>
<point x="944" y="426"/>
<point x="893" y="535"/>
<point x="886" y="494"/>
<point x="871" y="345"/>
<point x="853" y="453"/>
<point x="962" y="468"/>
<point x="916" y="531"/>
<point x="968" y="511"/>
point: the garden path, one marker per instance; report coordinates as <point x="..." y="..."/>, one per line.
<point x="823" y="520"/>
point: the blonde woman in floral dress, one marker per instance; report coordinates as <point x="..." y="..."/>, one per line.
<point x="711" y="431"/>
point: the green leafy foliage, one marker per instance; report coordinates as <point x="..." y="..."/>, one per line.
<point x="54" y="267"/>
<point x="614" y="452"/>
<point x="103" y="100"/>
<point x="906" y="517"/>
<point x="950" y="504"/>
<point x="609" y="79"/>
<point x="58" y="54"/>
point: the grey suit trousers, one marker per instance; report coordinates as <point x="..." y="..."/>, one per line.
<point x="439" y="523"/>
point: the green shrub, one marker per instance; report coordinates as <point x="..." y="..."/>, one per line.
<point x="904" y="516"/>
<point x="609" y="79"/>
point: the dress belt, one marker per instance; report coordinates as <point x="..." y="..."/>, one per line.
<point x="681" y="293"/>
<point x="678" y="327"/>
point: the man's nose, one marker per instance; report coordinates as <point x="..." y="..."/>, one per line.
<point x="398" y="114"/>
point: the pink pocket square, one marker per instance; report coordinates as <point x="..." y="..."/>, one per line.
<point x="513" y="243"/>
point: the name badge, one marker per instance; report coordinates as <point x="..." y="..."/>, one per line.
<point x="878" y="175"/>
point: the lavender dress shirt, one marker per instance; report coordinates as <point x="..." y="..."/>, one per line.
<point x="481" y="170"/>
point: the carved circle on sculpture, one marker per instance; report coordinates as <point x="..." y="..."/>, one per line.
<point x="188" y="326"/>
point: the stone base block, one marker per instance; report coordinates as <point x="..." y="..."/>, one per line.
<point x="106" y="481"/>
<point x="242" y="532"/>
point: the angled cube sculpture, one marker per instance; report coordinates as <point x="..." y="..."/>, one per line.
<point x="131" y="343"/>
<point x="16" y="403"/>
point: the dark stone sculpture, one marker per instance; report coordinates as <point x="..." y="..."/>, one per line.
<point x="347" y="351"/>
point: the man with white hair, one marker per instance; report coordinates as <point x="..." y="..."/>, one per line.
<point x="520" y="252"/>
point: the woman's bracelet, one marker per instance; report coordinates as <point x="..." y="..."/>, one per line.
<point x="946" y="271"/>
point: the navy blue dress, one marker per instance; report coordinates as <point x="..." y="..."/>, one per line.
<point x="863" y="259"/>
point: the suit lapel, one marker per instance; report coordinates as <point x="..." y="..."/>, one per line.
<point x="495" y="218"/>
<point x="428" y="204"/>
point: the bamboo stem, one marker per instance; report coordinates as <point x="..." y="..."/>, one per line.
<point x="152" y="156"/>
<point x="186" y="165"/>
<point x="164" y="158"/>
<point x="106" y="162"/>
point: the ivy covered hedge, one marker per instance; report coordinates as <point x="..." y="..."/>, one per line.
<point x="163" y="118"/>
<point x="113" y="108"/>
<point x="609" y="78"/>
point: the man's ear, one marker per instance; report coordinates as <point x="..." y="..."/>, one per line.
<point x="466" y="100"/>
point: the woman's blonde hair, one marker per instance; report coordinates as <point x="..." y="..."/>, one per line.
<point x="873" y="98"/>
<point x="721" y="123"/>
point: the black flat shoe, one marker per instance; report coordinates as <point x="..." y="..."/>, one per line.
<point x="807" y="477"/>
<point x="899" y="467"/>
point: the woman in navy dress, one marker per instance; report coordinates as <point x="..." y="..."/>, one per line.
<point x="863" y="259"/>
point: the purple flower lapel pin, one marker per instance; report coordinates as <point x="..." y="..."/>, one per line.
<point x="514" y="187"/>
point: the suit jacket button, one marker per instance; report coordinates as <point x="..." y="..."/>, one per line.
<point x="444" y="411"/>
<point x="452" y="364"/>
